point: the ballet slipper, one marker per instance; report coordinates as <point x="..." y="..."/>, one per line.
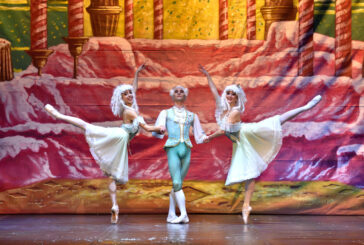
<point x="313" y="102"/>
<point x="52" y="111"/>
<point x="245" y="213"/>
<point x="181" y="202"/>
<point x="114" y="214"/>
<point x="183" y="219"/>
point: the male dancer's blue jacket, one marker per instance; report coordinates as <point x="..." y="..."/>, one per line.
<point x="178" y="146"/>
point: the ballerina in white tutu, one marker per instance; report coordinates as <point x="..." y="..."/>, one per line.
<point x="108" y="145"/>
<point x="255" y="145"/>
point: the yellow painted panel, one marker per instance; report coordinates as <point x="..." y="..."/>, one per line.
<point x="121" y="30"/>
<point x="191" y="19"/>
<point x="237" y="19"/>
<point x="143" y="19"/>
<point x="188" y="19"/>
<point x="87" y="30"/>
<point x="260" y="23"/>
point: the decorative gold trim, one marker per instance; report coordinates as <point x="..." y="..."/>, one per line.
<point x="325" y="4"/>
<point x="57" y="8"/>
<point x="357" y="11"/>
<point x="332" y="5"/>
<point x="357" y="4"/>
<point x="20" y="48"/>
<point x="14" y="1"/>
<point x="14" y="8"/>
<point x="322" y="12"/>
<point x="57" y="2"/>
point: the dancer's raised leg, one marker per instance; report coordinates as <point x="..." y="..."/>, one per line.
<point x="115" y="207"/>
<point x="72" y="120"/>
<point x="249" y="189"/>
<point x="295" y="112"/>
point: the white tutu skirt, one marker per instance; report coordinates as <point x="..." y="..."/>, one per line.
<point x="109" y="147"/>
<point x="258" y="145"/>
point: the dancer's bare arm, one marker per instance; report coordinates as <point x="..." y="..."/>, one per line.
<point x="129" y="116"/>
<point x="234" y="117"/>
<point x="218" y="133"/>
<point x="135" y="82"/>
<point x="211" y="83"/>
<point x="150" y="128"/>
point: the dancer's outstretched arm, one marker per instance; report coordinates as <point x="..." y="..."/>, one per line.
<point x="150" y="128"/>
<point x="295" y="112"/>
<point x="218" y="133"/>
<point x="135" y="82"/>
<point x="211" y="83"/>
<point x="130" y="115"/>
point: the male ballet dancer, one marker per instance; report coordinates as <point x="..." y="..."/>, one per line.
<point x="177" y="121"/>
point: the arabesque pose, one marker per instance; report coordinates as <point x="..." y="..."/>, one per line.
<point x="108" y="145"/>
<point x="255" y="145"/>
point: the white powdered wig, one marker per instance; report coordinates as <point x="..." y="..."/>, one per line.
<point x="241" y="98"/>
<point x="185" y="90"/>
<point x="117" y="104"/>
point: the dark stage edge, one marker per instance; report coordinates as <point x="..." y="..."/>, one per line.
<point x="202" y="229"/>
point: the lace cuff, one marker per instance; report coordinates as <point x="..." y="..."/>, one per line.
<point x="161" y="121"/>
<point x="140" y="120"/>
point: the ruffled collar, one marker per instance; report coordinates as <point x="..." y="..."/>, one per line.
<point x="180" y="114"/>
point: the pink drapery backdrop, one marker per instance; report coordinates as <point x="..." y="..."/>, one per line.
<point x="322" y="144"/>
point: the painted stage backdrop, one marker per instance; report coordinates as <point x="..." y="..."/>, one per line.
<point x="281" y="52"/>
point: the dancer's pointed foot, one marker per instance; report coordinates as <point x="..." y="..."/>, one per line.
<point x="245" y="213"/>
<point x="313" y="102"/>
<point x="114" y="214"/>
<point x="52" y="111"/>
<point x="181" y="219"/>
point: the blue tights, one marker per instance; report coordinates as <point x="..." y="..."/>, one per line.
<point x="178" y="164"/>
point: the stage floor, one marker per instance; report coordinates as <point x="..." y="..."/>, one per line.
<point x="202" y="229"/>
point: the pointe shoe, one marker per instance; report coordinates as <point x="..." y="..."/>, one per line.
<point x="51" y="110"/>
<point x="181" y="219"/>
<point x="314" y="102"/>
<point x="245" y="213"/>
<point x="114" y="214"/>
<point x="171" y="217"/>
